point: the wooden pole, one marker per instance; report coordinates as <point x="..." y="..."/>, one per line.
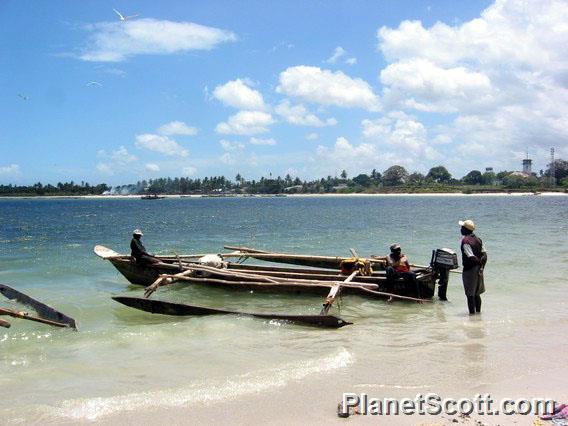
<point x="334" y="292"/>
<point x="396" y="296"/>
<point x="26" y="316"/>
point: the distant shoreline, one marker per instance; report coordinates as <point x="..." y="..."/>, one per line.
<point x="327" y="195"/>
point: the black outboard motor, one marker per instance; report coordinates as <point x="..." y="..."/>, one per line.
<point x="443" y="260"/>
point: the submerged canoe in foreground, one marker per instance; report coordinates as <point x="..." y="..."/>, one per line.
<point x="181" y="309"/>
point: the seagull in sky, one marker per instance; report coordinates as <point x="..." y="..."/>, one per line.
<point x="94" y="83"/>
<point x="122" y="17"/>
<point x="23" y="97"/>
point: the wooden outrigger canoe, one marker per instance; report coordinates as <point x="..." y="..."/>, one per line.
<point x="266" y="278"/>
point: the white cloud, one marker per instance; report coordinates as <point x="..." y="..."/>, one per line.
<point x="118" y="160"/>
<point x="230" y="145"/>
<point x="161" y="144"/>
<point x="227" y="158"/>
<point x="151" y="167"/>
<point x="246" y="123"/>
<point x="300" y="116"/>
<point x="238" y="94"/>
<point x="344" y="155"/>
<point x="402" y="133"/>
<point x="11" y="170"/>
<point x="105" y="168"/>
<point x="258" y="141"/>
<point x="122" y="157"/>
<point x="116" y="41"/>
<point x="327" y="88"/>
<point x="312" y="136"/>
<point x="177" y="128"/>
<point x="189" y="171"/>
<point x="503" y="76"/>
<point x="427" y="87"/>
<point x="337" y="53"/>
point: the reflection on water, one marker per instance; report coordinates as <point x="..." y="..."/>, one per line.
<point x="120" y="353"/>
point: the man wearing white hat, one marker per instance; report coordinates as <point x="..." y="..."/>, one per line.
<point x="474" y="258"/>
<point x="138" y="251"/>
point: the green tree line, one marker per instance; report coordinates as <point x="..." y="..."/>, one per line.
<point x="394" y="179"/>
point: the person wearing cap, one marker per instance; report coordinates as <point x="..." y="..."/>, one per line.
<point x="474" y="258"/>
<point x="398" y="267"/>
<point x="138" y="251"/>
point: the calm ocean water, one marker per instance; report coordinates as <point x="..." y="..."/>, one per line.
<point x="123" y="360"/>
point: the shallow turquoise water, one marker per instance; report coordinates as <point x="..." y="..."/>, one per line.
<point x="123" y="360"/>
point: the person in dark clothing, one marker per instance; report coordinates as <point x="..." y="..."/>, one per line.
<point x="442" y="275"/>
<point x="138" y="251"/>
<point x="474" y="258"/>
<point x="398" y="267"/>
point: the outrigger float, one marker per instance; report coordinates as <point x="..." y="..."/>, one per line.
<point x="45" y="314"/>
<point x="323" y="275"/>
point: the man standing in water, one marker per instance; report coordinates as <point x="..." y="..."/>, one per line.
<point x="474" y="258"/>
<point x="138" y="251"/>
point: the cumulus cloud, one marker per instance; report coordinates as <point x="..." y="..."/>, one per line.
<point x="300" y="116"/>
<point x="151" y="167"/>
<point x="177" y="128"/>
<point x="344" y="155"/>
<point x="424" y="86"/>
<point x="325" y="87"/>
<point x="238" y="94"/>
<point x="117" y="41"/>
<point x="10" y="170"/>
<point x="117" y="160"/>
<point x="503" y="76"/>
<point x="258" y="141"/>
<point x="246" y="123"/>
<point x="402" y="133"/>
<point x="161" y="144"/>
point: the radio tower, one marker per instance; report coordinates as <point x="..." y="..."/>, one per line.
<point x="552" y="169"/>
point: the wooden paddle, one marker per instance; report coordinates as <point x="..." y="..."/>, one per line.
<point x="334" y="292"/>
<point x="26" y="316"/>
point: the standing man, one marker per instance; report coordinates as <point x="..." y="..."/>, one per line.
<point x="138" y="251"/>
<point x="474" y="258"/>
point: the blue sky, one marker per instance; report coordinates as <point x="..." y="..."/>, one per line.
<point x="259" y="87"/>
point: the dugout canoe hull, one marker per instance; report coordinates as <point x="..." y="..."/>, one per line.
<point x="182" y="309"/>
<point x="145" y="275"/>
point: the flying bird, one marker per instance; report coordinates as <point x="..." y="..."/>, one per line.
<point x="23" y="97"/>
<point x="94" y="83"/>
<point x="122" y="17"/>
